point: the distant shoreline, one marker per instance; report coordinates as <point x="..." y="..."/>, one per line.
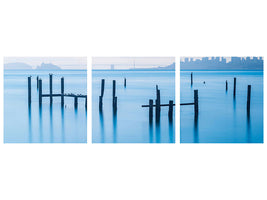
<point x="221" y="70"/>
<point x="133" y="70"/>
<point x="45" y="70"/>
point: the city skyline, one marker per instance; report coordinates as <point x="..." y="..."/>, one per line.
<point x="222" y="63"/>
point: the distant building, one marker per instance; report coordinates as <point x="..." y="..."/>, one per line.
<point x="112" y="67"/>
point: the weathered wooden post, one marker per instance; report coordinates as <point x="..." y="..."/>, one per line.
<point x="40" y="92"/>
<point x="234" y="86"/>
<point x="100" y="103"/>
<point x="157" y="110"/>
<point x="86" y="102"/>
<point x="158" y="96"/>
<point x="150" y="110"/>
<point x="157" y="87"/>
<point x="191" y="78"/>
<point x="114" y="89"/>
<point x="196" y="101"/>
<point x="37" y="82"/>
<point x="76" y="102"/>
<point x="124" y="82"/>
<point x="114" y="101"/>
<point x="170" y="110"/>
<point x="226" y="85"/>
<point x="62" y="91"/>
<point x="29" y="90"/>
<point x="248" y="98"/>
<point x="51" y="87"/>
<point x="102" y="87"/>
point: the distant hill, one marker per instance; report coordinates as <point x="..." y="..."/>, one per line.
<point x="168" y="67"/>
<point x="17" y="65"/>
<point x="48" y="66"/>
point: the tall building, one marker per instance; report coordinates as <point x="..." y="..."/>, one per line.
<point x="112" y="67"/>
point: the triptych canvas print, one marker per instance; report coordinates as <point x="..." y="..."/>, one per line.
<point x="133" y="100"/>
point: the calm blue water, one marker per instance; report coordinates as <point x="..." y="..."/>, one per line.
<point x="46" y="124"/>
<point x="131" y="124"/>
<point x="222" y="119"/>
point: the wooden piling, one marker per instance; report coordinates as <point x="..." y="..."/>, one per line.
<point x="158" y="96"/>
<point x="86" y="102"/>
<point x="226" y="85"/>
<point x="40" y="92"/>
<point x="37" y="82"/>
<point x="51" y="87"/>
<point x="170" y="110"/>
<point x="114" y="98"/>
<point x="124" y="82"/>
<point x="248" y="98"/>
<point x="150" y="110"/>
<point x="62" y="91"/>
<point x="157" y="111"/>
<point x="191" y="78"/>
<point x="114" y="89"/>
<point x="102" y="87"/>
<point x="196" y="101"/>
<point x="75" y="102"/>
<point x="100" y="103"/>
<point x="234" y="86"/>
<point x="29" y="90"/>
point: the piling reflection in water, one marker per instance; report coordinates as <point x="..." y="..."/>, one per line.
<point x="150" y="132"/>
<point x="171" y="134"/>
<point x="157" y="133"/>
<point x="248" y="127"/>
<point x="40" y="123"/>
<point x="196" y="134"/>
<point x="30" y="122"/>
<point x="102" y="129"/>
<point x="115" y="126"/>
<point x="62" y="124"/>
<point x="51" y="123"/>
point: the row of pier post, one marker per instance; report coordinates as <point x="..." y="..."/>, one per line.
<point x="51" y="95"/>
<point x="114" y="97"/>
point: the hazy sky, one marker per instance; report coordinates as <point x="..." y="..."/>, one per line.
<point x="130" y="62"/>
<point x="63" y="62"/>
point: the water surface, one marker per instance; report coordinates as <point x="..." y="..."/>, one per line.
<point x="45" y="124"/>
<point x="222" y="118"/>
<point x="131" y="122"/>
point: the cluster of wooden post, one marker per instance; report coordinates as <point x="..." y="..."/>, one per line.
<point x="157" y="107"/>
<point x="191" y="78"/>
<point x="114" y="98"/>
<point x="39" y="87"/>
